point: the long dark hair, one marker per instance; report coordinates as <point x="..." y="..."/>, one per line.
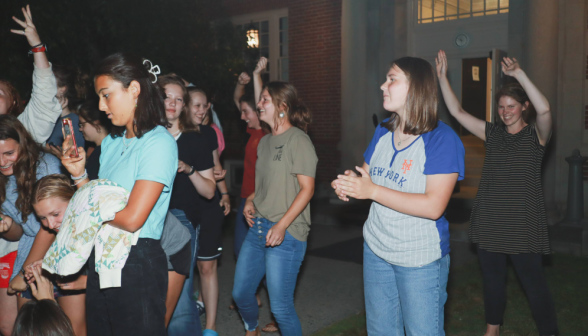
<point x="186" y="124"/>
<point x="421" y="101"/>
<point x="25" y="167"/>
<point x="42" y="318"/>
<point x="72" y="79"/>
<point x="16" y="106"/>
<point x="90" y="112"/>
<point x="150" y="110"/>
<point x="284" y="93"/>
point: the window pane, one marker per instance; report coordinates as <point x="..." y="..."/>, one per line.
<point x="491" y="4"/>
<point x="504" y="11"/>
<point x="265" y="26"/>
<point x="284" y="50"/>
<point x="264" y="40"/>
<point x="464" y="6"/>
<point x="284" y="23"/>
<point x="492" y="12"/>
<point x="439" y="7"/>
<point x="503" y="4"/>
<point x="451" y="7"/>
<point x="452" y="17"/>
<point x="284" y="37"/>
<point x="427" y="9"/>
<point x="477" y="5"/>
<point x="479" y="14"/>
<point x="264" y="51"/>
<point x="256" y="25"/>
<point x="284" y="69"/>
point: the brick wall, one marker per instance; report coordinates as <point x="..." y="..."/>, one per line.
<point x="315" y="67"/>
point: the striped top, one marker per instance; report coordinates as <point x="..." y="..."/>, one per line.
<point x="509" y="210"/>
<point x="398" y="238"/>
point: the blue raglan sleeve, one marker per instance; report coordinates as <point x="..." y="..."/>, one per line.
<point x="444" y="152"/>
<point x="380" y="132"/>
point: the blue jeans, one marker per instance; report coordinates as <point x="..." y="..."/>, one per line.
<point x="186" y="320"/>
<point x="241" y="228"/>
<point x="280" y="265"/>
<point x="404" y="298"/>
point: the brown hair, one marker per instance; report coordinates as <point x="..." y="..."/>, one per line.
<point x="25" y="167"/>
<point x="17" y="106"/>
<point x="421" y="101"/>
<point x="285" y="95"/>
<point x="186" y="124"/>
<point x="54" y="185"/>
<point x="42" y="318"/>
<point x="516" y="92"/>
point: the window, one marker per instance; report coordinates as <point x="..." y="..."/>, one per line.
<point x="444" y="10"/>
<point x="273" y="40"/>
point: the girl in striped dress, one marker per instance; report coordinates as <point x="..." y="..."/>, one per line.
<point x="508" y="219"/>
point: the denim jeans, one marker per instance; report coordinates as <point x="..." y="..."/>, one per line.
<point x="280" y="265"/>
<point x="186" y="320"/>
<point x="136" y="308"/>
<point x="241" y="228"/>
<point x="399" y="299"/>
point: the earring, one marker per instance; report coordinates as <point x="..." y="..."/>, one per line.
<point x="135" y="102"/>
<point x="281" y="115"/>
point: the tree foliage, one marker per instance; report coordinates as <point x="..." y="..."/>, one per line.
<point x="192" y="38"/>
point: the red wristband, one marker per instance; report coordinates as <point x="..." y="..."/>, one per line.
<point x="39" y="49"/>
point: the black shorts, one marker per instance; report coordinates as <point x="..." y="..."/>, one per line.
<point x="210" y="237"/>
<point x="182" y="260"/>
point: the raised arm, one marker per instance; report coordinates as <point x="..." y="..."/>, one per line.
<point x="43" y="109"/>
<point x="243" y="80"/>
<point x="543" y="122"/>
<point x="257" y="82"/>
<point x="476" y="126"/>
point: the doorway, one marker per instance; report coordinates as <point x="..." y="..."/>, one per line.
<point x="474" y="88"/>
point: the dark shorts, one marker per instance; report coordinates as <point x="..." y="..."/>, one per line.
<point x="210" y="238"/>
<point x="57" y="291"/>
<point x="182" y="260"/>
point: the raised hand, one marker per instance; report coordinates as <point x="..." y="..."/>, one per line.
<point x="441" y="64"/>
<point x="261" y="64"/>
<point x="75" y="165"/>
<point x="29" y="30"/>
<point x="244" y="78"/>
<point x="510" y="66"/>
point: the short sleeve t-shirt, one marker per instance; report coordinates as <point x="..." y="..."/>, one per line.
<point x="210" y="136"/>
<point x="153" y="157"/>
<point x="194" y="151"/>
<point x="280" y="159"/>
<point x="398" y="238"/>
<point x="93" y="163"/>
<point x="248" y="186"/>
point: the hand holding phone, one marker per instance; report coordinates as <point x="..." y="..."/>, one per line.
<point x="71" y="141"/>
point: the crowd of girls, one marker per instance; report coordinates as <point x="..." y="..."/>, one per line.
<point x="157" y="138"/>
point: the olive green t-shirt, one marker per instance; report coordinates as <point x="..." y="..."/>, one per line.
<point x="279" y="159"/>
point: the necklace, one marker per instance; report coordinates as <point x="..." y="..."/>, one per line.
<point x="125" y="143"/>
<point x="175" y="134"/>
<point x="400" y="140"/>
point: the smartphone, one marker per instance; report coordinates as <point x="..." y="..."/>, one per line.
<point x="68" y="130"/>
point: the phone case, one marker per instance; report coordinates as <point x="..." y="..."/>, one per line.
<point x="68" y="130"/>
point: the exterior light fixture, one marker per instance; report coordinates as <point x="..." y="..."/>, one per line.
<point x="252" y="37"/>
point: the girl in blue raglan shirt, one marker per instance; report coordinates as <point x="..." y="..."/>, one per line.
<point x="410" y="170"/>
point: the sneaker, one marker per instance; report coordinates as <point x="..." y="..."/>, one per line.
<point x="201" y="310"/>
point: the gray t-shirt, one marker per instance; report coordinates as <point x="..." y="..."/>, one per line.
<point x="280" y="159"/>
<point x="174" y="237"/>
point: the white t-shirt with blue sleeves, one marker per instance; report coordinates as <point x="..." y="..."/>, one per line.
<point x="153" y="157"/>
<point x="398" y="238"/>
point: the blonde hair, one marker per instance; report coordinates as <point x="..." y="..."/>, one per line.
<point x="54" y="185"/>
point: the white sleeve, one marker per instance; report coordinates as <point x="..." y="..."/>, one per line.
<point x="43" y="110"/>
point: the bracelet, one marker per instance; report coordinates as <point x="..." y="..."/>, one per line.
<point x="224" y="193"/>
<point x="38" y="45"/>
<point x="42" y="48"/>
<point x="191" y="171"/>
<point x="84" y="175"/>
<point x="80" y="181"/>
